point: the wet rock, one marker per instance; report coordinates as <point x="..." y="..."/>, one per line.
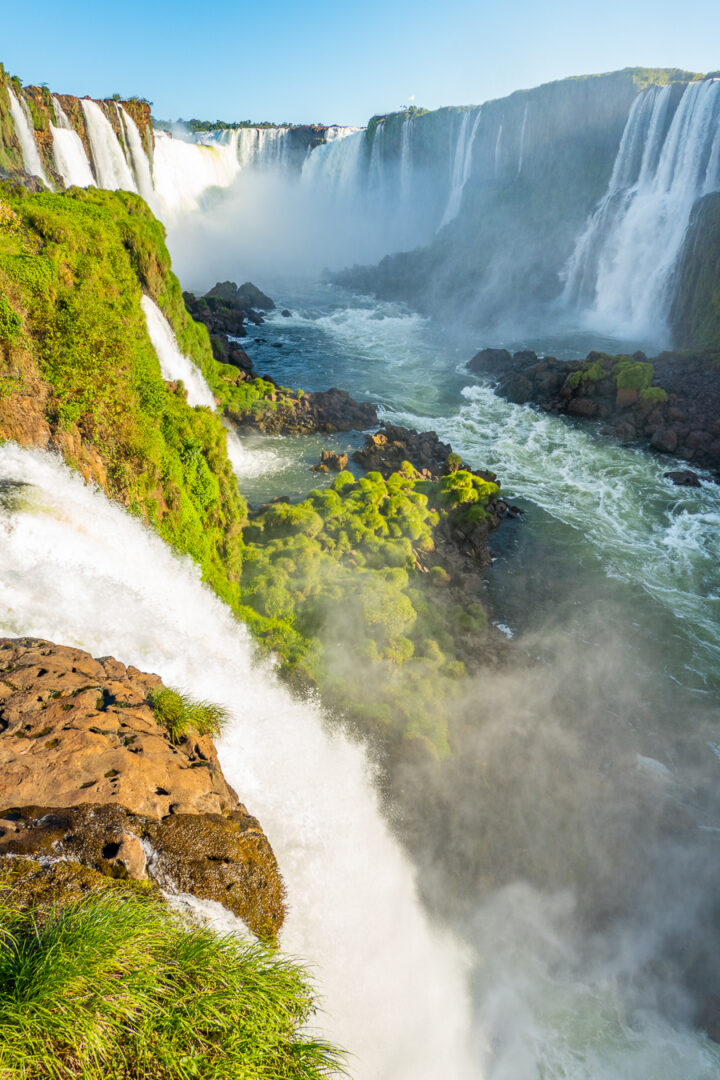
<point x="329" y="460"/>
<point x="303" y="414"/>
<point x="683" y="478"/>
<point x="286" y="314"/>
<point x="491" y="361"/>
<point x="387" y="449"/>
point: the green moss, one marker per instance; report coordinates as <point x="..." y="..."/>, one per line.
<point x="336" y="580"/>
<point x="632" y="374"/>
<point x="654" y="394"/>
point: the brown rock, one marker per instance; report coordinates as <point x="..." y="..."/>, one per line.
<point x="78" y="730"/>
<point x="582" y="407"/>
<point x="88" y="773"/>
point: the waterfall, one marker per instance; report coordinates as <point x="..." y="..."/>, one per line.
<point x="68" y="151"/>
<point x="184" y="171"/>
<point x="462" y="164"/>
<point x="405" y="157"/>
<point x="174" y="365"/>
<point x="336" y="167"/>
<point x="498" y="145"/>
<point x="622" y="266"/>
<point x="111" y="168"/>
<point x="26" y="136"/>
<point x="521" y="154"/>
<point x="78" y="570"/>
<point x="138" y="157"/>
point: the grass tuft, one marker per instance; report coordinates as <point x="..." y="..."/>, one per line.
<point x="181" y="714"/>
<point x="116" y="987"/>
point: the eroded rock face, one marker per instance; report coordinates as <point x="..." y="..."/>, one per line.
<point x="79" y="730"/>
<point x="88" y="773"/>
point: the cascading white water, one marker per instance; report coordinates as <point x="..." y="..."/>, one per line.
<point x="462" y="163"/>
<point x="623" y="261"/>
<point x="26" y="137"/>
<point x="68" y="151"/>
<point x="405" y="157"/>
<point x="336" y="166"/>
<point x="174" y="364"/>
<point x="79" y="571"/>
<point x="138" y="156"/>
<point x="521" y="154"/>
<point x="184" y="171"/>
<point x="111" y="167"/>
<point x="498" y="151"/>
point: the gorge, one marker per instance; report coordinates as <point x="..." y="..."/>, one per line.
<point x="500" y="859"/>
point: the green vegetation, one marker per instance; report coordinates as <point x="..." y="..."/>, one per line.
<point x="181" y="715"/>
<point x="115" y="986"/>
<point x="340" y="580"/>
<point x="11" y="159"/>
<point x="621" y="372"/>
<point x="76" y="356"/>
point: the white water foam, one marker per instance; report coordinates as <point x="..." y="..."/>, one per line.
<point x="78" y="570"/>
<point x="623" y="261"/>
<point x="111" y="168"/>
<point x="26" y="136"/>
<point x="138" y="156"/>
<point x="174" y="364"/>
<point x="68" y="151"/>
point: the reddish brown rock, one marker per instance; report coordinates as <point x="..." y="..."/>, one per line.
<point x="88" y="773"/>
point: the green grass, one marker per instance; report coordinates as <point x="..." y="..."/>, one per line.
<point x="180" y="714"/>
<point x="113" y="986"/>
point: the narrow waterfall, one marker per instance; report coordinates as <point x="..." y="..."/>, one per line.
<point x="174" y="364"/>
<point x="111" y="168"/>
<point x="68" y="151"/>
<point x="138" y="157"/>
<point x="462" y="163"/>
<point x="405" y="157"/>
<point x="521" y="154"/>
<point x="77" y="569"/>
<point x="621" y="270"/>
<point x="498" y="152"/>
<point x="26" y="137"/>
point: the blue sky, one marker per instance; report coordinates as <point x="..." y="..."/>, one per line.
<point x="341" y="62"/>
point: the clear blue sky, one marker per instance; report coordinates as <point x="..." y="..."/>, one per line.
<point x="313" y="60"/>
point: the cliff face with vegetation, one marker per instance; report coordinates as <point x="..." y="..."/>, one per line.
<point x="695" y="313"/>
<point x="39" y="103"/>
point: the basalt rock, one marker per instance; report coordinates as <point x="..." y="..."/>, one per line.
<point x="329" y="460"/>
<point x="88" y="772"/>
<point x="670" y="403"/>
<point x="325" y="411"/>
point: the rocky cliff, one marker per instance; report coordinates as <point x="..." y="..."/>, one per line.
<point x="91" y="771"/>
<point x="695" y="313"/>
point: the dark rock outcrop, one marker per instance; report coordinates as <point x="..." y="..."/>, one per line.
<point x="670" y="403"/>
<point x="89" y="773"/>
<point x="305" y="413"/>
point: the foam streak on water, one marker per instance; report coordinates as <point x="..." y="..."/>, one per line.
<point x="78" y="570"/>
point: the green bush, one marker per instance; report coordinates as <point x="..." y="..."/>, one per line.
<point x="114" y="986"/>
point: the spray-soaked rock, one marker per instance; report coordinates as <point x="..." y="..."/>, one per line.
<point x="88" y="772"/>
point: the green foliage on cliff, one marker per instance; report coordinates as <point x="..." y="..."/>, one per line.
<point x="341" y="580"/>
<point x="81" y="369"/>
<point x="11" y="159"/>
<point x="115" y="986"/>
